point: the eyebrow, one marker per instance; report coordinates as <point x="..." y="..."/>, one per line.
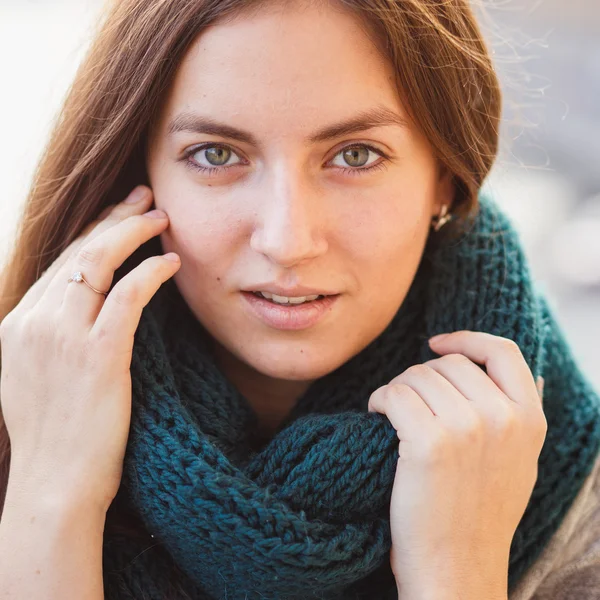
<point x="378" y="116"/>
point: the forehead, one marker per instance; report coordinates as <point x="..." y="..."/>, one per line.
<point x="284" y="61"/>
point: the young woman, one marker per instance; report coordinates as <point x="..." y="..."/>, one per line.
<point x="217" y="373"/>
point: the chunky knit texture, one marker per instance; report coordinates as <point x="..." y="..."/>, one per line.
<point x="307" y="515"/>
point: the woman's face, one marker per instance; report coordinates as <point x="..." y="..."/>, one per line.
<point x="278" y="190"/>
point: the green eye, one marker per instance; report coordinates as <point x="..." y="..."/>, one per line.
<point x="217" y="155"/>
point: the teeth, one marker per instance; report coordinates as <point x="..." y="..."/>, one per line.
<point x="287" y="300"/>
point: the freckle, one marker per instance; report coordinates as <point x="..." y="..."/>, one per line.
<point x="37" y="571"/>
<point x="32" y="519"/>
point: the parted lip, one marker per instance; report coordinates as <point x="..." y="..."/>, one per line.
<point x="289" y="292"/>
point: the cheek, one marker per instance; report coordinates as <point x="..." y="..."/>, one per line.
<point x="202" y="228"/>
<point x="387" y="250"/>
<point x="391" y="233"/>
<point x="206" y="242"/>
<point x="202" y="220"/>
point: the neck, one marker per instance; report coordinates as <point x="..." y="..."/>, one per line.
<point x="271" y="398"/>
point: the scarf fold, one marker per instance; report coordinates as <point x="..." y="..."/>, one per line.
<point x="307" y="515"/>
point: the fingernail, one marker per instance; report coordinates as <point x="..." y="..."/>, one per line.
<point x="438" y="338"/>
<point x="138" y="194"/>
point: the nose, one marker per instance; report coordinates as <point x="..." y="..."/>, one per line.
<point x="289" y="224"/>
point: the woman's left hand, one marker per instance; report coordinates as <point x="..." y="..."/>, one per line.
<point x="468" y="463"/>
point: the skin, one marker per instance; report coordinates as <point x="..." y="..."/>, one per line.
<point x="284" y="210"/>
<point x="469" y="440"/>
<point x="467" y="465"/>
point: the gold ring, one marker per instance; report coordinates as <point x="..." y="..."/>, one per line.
<point x="78" y="277"/>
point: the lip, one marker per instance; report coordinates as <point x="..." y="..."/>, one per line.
<point x="289" y="292"/>
<point x="301" y="316"/>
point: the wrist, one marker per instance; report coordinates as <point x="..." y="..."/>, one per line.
<point x="38" y="488"/>
<point x="446" y="579"/>
<point x="22" y="500"/>
<point x="446" y="594"/>
<point x="439" y="590"/>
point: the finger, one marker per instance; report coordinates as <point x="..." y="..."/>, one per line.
<point x="35" y="292"/>
<point x="486" y="398"/>
<point x="405" y="410"/>
<point x="443" y="399"/>
<point x="502" y="358"/>
<point x="136" y="203"/>
<point x="99" y="259"/>
<point x="141" y="198"/>
<point x="120" y="314"/>
<point x="467" y="378"/>
<point x="108" y="216"/>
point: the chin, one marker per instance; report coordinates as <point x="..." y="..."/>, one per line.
<point x="294" y="364"/>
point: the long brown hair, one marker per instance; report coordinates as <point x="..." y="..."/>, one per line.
<point x="95" y="154"/>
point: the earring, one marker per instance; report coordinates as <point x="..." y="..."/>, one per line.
<point x="438" y="222"/>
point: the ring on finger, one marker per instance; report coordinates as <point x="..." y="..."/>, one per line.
<point x="78" y="277"/>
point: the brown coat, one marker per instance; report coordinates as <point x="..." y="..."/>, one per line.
<point x="569" y="566"/>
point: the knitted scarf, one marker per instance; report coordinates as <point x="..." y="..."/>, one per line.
<point x="307" y="515"/>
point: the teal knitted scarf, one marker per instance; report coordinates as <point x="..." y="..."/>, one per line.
<point x="307" y="515"/>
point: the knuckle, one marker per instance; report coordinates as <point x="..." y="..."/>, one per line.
<point x="373" y="400"/>
<point x="538" y="423"/>
<point x="32" y="329"/>
<point x="457" y="359"/>
<point x="101" y="335"/>
<point x="432" y="447"/>
<point x="125" y="295"/>
<point x="103" y="341"/>
<point x="472" y="429"/>
<point x="385" y="394"/>
<point x="43" y="334"/>
<point x="395" y="391"/>
<point x="418" y="370"/>
<point x="511" y="346"/>
<point x="62" y="342"/>
<point x="90" y="255"/>
<point x="505" y="419"/>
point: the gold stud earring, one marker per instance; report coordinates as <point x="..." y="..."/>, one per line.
<point x="438" y="222"/>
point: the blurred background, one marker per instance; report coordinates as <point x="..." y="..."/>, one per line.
<point x="547" y="175"/>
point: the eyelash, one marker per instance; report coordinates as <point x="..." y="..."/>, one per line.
<point x="346" y="170"/>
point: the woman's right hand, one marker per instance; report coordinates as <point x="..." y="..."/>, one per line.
<point x="65" y="386"/>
